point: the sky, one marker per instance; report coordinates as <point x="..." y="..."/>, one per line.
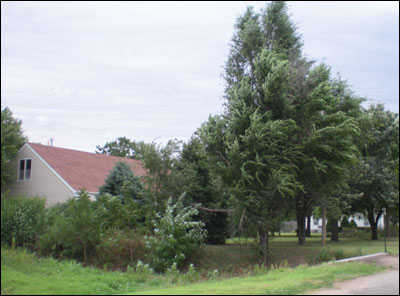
<point x="86" y="73"/>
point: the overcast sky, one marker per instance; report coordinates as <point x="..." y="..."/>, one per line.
<point x="85" y="73"/>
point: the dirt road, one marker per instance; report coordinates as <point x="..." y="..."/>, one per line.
<point x="382" y="283"/>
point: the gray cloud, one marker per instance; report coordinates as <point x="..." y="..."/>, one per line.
<point x="86" y="73"/>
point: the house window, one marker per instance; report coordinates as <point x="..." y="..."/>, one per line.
<point x="24" y="172"/>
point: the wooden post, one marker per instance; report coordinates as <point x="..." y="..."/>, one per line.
<point x="323" y="239"/>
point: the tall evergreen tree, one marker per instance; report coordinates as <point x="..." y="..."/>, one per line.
<point x="257" y="153"/>
<point x="283" y="133"/>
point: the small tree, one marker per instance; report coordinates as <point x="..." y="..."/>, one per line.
<point x="83" y="222"/>
<point x="176" y="235"/>
<point x="22" y="220"/>
<point x="12" y="139"/>
<point x="120" y="181"/>
<point x="75" y="231"/>
<point x="122" y="147"/>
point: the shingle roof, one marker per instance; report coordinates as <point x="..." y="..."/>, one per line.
<point x="83" y="170"/>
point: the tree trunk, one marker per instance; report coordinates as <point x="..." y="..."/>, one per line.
<point x="301" y="221"/>
<point x="84" y="253"/>
<point x="308" y="231"/>
<point x="323" y="238"/>
<point x="335" y="230"/>
<point x="264" y="244"/>
<point x="130" y="246"/>
<point x="373" y="222"/>
<point x="374" y="230"/>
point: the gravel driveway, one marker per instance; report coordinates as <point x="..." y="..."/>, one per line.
<point x="382" y="283"/>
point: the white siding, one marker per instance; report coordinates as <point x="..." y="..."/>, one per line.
<point x="44" y="182"/>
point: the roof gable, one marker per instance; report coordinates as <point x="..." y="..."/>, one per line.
<point x="83" y="170"/>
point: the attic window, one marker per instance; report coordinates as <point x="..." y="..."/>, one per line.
<point x="24" y="171"/>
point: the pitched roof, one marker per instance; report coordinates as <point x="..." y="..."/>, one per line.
<point x="83" y="170"/>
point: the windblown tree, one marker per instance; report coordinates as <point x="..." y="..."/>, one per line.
<point x="283" y="138"/>
<point x="12" y="139"/>
<point x="257" y="152"/>
<point x="376" y="178"/>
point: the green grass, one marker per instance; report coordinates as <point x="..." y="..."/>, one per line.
<point x="281" y="281"/>
<point x="24" y="273"/>
<point x="287" y="248"/>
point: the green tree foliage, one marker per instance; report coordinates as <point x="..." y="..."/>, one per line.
<point x="75" y="232"/>
<point x="122" y="183"/>
<point x="286" y="131"/>
<point x="176" y="235"/>
<point x="257" y="154"/>
<point x="121" y="147"/>
<point x="162" y="178"/>
<point x="12" y="139"/>
<point x="280" y="32"/>
<point x="376" y="178"/>
<point x="23" y="220"/>
<point x="203" y="187"/>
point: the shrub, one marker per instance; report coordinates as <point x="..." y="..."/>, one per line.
<point x="345" y="222"/>
<point x="176" y="236"/>
<point x="111" y="213"/>
<point x="143" y="271"/>
<point x="74" y="234"/>
<point x="356" y="233"/>
<point x="191" y="275"/>
<point x="172" y="273"/>
<point x="22" y="220"/>
<point x="118" y="248"/>
<point x="323" y="256"/>
<point x="339" y="254"/>
<point x="352" y="224"/>
<point x="58" y="241"/>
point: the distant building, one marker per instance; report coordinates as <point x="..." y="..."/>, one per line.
<point x="58" y="173"/>
<point x="316" y="223"/>
<point x="359" y="219"/>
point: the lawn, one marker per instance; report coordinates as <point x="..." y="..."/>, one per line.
<point x="284" y="281"/>
<point x="237" y="255"/>
<point x="24" y="273"/>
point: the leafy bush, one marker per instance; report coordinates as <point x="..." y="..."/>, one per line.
<point x="322" y="256"/>
<point x="58" y="241"/>
<point x="352" y="224"/>
<point x="22" y="220"/>
<point x="172" y="273"/>
<point x="176" y="236"/>
<point x="143" y="271"/>
<point x="118" y="248"/>
<point x="339" y="254"/>
<point x="356" y="233"/>
<point x="74" y="234"/>
<point x="111" y="213"/>
<point x="345" y="222"/>
<point x="191" y="275"/>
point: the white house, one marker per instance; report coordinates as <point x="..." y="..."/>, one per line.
<point x="360" y="220"/>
